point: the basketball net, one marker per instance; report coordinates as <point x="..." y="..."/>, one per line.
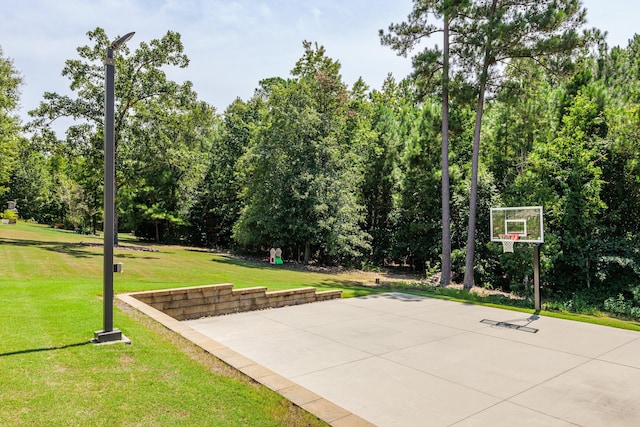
<point x="507" y="245"/>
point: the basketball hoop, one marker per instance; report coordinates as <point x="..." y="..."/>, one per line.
<point x="524" y="224"/>
<point x="507" y="245"/>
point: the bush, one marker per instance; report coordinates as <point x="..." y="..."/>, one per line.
<point x="621" y="307"/>
<point x="577" y="303"/>
<point x="10" y="215"/>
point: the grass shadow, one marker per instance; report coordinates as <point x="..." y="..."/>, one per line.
<point x="133" y="256"/>
<point x="77" y="250"/>
<point x="236" y="262"/>
<point x="73" y="249"/>
<point x="38" y="350"/>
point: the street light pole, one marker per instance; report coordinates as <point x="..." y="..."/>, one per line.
<point x="109" y="333"/>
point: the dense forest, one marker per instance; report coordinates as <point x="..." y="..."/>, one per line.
<point x="354" y="176"/>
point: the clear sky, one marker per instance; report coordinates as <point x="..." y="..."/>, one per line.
<point x="232" y="44"/>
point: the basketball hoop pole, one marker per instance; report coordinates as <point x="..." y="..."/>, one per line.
<point x="536" y="275"/>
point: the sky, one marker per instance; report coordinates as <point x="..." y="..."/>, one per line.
<point x="231" y="44"/>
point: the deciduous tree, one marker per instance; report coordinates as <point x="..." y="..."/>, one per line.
<point x="141" y="84"/>
<point x="300" y="175"/>
<point x="10" y="82"/>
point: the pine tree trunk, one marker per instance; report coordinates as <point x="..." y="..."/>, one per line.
<point x="445" y="270"/>
<point x="473" y="196"/>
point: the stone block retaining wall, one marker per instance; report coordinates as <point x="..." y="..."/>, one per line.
<point x="215" y="300"/>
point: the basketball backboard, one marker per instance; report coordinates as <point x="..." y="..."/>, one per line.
<point x="526" y="222"/>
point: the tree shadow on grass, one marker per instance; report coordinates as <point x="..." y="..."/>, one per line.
<point x="77" y="250"/>
<point x="225" y="259"/>
<point x="134" y="256"/>
<point x="73" y="249"/>
<point x="260" y="264"/>
<point x="38" y="350"/>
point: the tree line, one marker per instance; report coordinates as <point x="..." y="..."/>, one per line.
<point x="536" y="113"/>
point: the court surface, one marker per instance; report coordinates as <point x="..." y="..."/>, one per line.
<point x="400" y="360"/>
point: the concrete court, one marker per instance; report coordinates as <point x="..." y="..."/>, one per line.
<point x="400" y="360"/>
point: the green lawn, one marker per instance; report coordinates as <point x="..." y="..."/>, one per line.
<point x="42" y="254"/>
<point x="50" y="293"/>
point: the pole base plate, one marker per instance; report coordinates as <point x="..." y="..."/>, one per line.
<point x="100" y="337"/>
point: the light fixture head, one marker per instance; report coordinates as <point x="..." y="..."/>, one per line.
<point x="122" y="40"/>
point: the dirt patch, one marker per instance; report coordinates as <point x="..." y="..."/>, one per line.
<point x="485" y="291"/>
<point x="457" y="284"/>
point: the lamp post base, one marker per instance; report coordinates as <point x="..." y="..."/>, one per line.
<point x="102" y="336"/>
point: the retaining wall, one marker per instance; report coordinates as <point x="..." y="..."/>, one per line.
<point x="215" y="300"/>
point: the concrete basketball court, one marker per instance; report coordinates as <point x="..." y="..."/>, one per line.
<point x="400" y="360"/>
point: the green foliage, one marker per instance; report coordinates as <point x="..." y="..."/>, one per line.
<point x="380" y="176"/>
<point x="564" y="176"/>
<point x="10" y="215"/>
<point x="487" y="268"/>
<point x="166" y="160"/>
<point x="218" y="204"/>
<point x="160" y="127"/>
<point x="72" y="197"/>
<point x="10" y="83"/>
<point x="34" y="187"/>
<point x="418" y="222"/>
<point x="300" y="174"/>
<point x="522" y="117"/>
<point x="486" y="34"/>
<point x="575" y="303"/>
<point x="621" y="307"/>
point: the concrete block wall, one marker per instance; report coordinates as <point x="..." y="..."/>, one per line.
<point x="215" y="300"/>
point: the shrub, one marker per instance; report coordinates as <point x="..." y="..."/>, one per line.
<point x="577" y="303"/>
<point x="10" y="215"/>
<point x="622" y="307"/>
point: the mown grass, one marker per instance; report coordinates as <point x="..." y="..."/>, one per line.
<point x="50" y="293"/>
<point x="40" y="253"/>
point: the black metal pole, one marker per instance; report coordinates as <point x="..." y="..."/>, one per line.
<point x="108" y="333"/>
<point x="109" y="169"/>
<point x="536" y="276"/>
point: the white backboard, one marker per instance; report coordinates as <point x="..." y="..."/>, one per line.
<point x="526" y="222"/>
